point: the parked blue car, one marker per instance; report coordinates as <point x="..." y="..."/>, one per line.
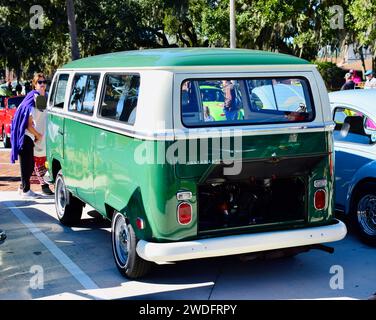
<point x="354" y="114"/>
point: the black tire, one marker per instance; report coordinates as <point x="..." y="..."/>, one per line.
<point x="124" y="242"/>
<point x="363" y="213"/>
<point x="6" y="140"/>
<point x="68" y="207"/>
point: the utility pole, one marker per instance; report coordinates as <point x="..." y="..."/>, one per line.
<point x="232" y="25"/>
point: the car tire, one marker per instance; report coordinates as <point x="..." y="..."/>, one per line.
<point x="124" y="242"/>
<point x="363" y="213"/>
<point x="6" y="140"/>
<point x="68" y="207"/>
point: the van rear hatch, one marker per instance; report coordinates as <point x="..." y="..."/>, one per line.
<point x="272" y="183"/>
<point x="254" y="146"/>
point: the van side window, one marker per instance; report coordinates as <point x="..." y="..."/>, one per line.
<point x="58" y="91"/>
<point x="120" y="96"/>
<point x="83" y="93"/>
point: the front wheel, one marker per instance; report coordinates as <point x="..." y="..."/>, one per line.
<point x="363" y="214"/>
<point x="124" y="242"/>
<point x="68" y="207"/>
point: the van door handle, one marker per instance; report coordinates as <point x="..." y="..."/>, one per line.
<point x="60" y="131"/>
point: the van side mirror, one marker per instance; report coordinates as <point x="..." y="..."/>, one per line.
<point x="41" y="102"/>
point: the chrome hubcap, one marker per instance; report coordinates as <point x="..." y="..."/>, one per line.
<point x="367" y="214"/>
<point x="61" y="197"/>
<point x="121" y="240"/>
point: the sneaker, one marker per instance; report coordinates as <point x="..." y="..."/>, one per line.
<point x="30" y="195"/>
<point x="46" y="190"/>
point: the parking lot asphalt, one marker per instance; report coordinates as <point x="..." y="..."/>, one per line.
<point x="42" y="259"/>
<point x="10" y="172"/>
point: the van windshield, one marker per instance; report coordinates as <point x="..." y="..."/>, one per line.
<point x="211" y="102"/>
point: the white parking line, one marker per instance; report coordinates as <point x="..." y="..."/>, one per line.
<point x="68" y="264"/>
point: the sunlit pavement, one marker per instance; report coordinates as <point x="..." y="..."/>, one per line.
<point x="41" y="259"/>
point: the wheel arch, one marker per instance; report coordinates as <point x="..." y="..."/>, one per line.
<point x="56" y="166"/>
<point x="132" y="210"/>
<point x="355" y="191"/>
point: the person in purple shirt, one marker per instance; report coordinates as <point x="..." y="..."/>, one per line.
<point x="24" y="134"/>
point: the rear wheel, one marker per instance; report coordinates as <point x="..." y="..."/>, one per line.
<point x="363" y="215"/>
<point x="6" y="140"/>
<point x="68" y="207"/>
<point x="124" y="242"/>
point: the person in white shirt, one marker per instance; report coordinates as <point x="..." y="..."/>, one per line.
<point x="371" y="80"/>
<point x="40" y="123"/>
<point x="24" y="135"/>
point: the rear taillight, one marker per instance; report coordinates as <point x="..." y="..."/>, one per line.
<point x="140" y="223"/>
<point x="320" y="199"/>
<point x="184" y="213"/>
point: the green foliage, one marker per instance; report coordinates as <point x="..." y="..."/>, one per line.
<point x="362" y="14"/>
<point x="333" y="76"/>
<point x="298" y="27"/>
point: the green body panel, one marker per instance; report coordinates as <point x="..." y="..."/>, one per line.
<point x="78" y="159"/>
<point x="260" y="147"/>
<point x="184" y="57"/>
<point x="100" y="168"/>
<point x="55" y="140"/>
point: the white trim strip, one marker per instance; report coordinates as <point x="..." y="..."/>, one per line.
<point x="203" y="132"/>
<point x="65" y="261"/>
<point x="112" y="126"/>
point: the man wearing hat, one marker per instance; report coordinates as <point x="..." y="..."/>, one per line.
<point x="349" y="84"/>
<point x="371" y="80"/>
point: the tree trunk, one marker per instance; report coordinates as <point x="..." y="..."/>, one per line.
<point x="362" y="58"/>
<point x="72" y="30"/>
<point x="232" y="24"/>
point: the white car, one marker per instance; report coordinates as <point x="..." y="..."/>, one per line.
<point x="354" y="112"/>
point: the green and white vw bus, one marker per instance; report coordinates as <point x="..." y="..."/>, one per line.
<point x="129" y="134"/>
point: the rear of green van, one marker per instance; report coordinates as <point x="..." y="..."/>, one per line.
<point x="258" y="177"/>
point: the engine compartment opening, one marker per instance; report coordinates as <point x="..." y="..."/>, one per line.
<point x="251" y="202"/>
<point x="266" y="191"/>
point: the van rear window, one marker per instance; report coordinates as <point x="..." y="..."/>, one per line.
<point x="212" y="102"/>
